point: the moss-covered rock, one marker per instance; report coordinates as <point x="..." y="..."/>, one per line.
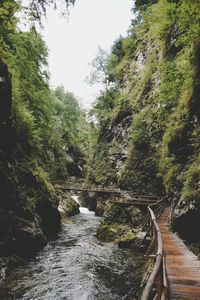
<point x="117" y="233"/>
<point x="69" y="207"/>
<point x="28" y="209"/>
<point x="7" y="263"/>
<point x="122" y="214"/>
<point x="120" y="223"/>
<point x="95" y="201"/>
<point x="100" y="208"/>
<point x="110" y="232"/>
<point x="127" y="239"/>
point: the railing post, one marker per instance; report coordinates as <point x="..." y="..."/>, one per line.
<point x="159" y="282"/>
<point x="155" y="238"/>
<point x="165" y="282"/>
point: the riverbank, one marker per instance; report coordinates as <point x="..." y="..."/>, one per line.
<point x="77" y="265"/>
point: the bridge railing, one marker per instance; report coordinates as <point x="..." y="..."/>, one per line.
<point x="117" y="191"/>
<point x="156" y="287"/>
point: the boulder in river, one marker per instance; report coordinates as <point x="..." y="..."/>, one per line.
<point x="69" y="207"/>
<point x="118" y="233"/>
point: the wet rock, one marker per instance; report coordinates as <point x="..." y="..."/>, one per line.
<point x="137" y="215"/>
<point x="50" y="216"/>
<point x="20" y="236"/>
<point x="118" y="223"/>
<point x="94" y="201"/>
<point x="6" y="263"/>
<point x="118" y="233"/>
<point x="100" y="209"/>
<point x="111" y="232"/>
<point x="120" y="214"/>
<point x="107" y="232"/>
<point x="24" y="231"/>
<point x="127" y="240"/>
<point x="28" y="206"/>
<point x="186" y="220"/>
<point x="69" y="207"/>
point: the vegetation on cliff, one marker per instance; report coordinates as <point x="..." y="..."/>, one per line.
<point x="43" y="137"/>
<point x="148" y="114"/>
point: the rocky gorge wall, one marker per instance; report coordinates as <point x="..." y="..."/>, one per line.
<point x="155" y="149"/>
<point x="28" y="203"/>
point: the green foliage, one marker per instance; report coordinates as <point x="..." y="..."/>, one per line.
<point x="66" y="136"/>
<point x="155" y="72"/>
<point x="140" y="133"/>
<point x="101" y="169"/>
<point x="143" y="4"/>
<point x="117" y="48"/>
<point x="27" y="134"/>
<point x="49" y="126"/>
<point x="191" y="187"/>
<point x="98" y="68"/>
<point x="104" y="105"/>
<point x="44" y="136"/>
<point x="38" y="8"/>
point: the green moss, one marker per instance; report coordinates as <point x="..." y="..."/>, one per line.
<point x="107" y="232"/>
<point x="127" y="240"/>
<point x="69" y="207"/>
<point x="191" y="186"/>
<point x="157" y="78"/>
<point x="117" y="233"/>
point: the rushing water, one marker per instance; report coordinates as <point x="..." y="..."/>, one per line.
<point x="76" y="266"/>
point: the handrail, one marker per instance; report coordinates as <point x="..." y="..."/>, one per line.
<point x="97" y="189"/>
<point x="158" y="275"/>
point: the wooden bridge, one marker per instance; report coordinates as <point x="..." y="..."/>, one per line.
<point x="125" y="198"/>
<point x="176" y="270"/>
<point x="90" y="189"/>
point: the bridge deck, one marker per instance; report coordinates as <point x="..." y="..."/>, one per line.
<point x="93" y="190"/>
<point x="183" y="267"/>
<point x="121" y="193"/>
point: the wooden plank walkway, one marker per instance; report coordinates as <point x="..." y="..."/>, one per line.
<point x="183" y="267"/>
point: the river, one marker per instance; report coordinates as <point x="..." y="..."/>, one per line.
<point x="76" y="266"/>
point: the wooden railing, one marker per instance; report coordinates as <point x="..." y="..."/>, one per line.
<point x="90" y="189"/>
<point x="156" y="287"/>
<point x="134" y="200"/>
<point x="124" y="195"/>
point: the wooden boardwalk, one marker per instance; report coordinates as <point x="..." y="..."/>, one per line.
<point x="183" y="267"/>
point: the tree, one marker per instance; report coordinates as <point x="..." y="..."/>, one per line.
<point x="143" y="4"/>
<point x="38" y="8"/>
<point x="98" y="68"/>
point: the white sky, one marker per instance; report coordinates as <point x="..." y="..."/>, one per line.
<point x="73" y="41"/>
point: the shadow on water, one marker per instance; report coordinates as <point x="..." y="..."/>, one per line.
<point x="76" y="266"/>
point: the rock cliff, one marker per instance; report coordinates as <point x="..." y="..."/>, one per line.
<point x="28" y="204"/>
<point x="149" y="137"/>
